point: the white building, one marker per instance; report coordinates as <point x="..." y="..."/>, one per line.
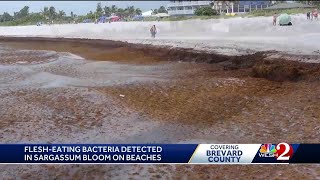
<point x="176" y="8"/>
<point x="240" y="6"/>
<point x="146" y="14"/>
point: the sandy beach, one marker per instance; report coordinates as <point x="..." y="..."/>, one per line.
<point x="231" y="83"/>
<point x="234" y="36"/>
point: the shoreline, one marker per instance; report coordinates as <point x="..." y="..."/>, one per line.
<point x="171" y="52"/>
<point x="231" y="37"/>
<point x="166" y="52"/>
<point x="270" y="65"/>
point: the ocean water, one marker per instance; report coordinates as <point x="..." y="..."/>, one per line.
<point x="49" y="97"/>
<point x="44" y="69"/>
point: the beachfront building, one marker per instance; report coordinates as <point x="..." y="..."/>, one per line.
<point x="176" y="8"/>
<point x="240" y="6"/>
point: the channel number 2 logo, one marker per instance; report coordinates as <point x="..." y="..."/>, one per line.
<point x="284" y="151"/>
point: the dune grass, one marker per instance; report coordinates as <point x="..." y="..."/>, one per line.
<point x="182" y="18"/>
<point x="255" y="13"/>
<point x="278" y="11"/>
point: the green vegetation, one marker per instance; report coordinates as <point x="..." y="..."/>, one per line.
<point x="130" y="11"/>
<point x="23" y="17"/>
<point x="278" y="11"/>
<point x="288" y="11"/>
<point x="162" y="9"/>
<point x="50" y="14"/>
<point x="27" y="20"/>
<point x="315" y="3"/>
<point x="206" y="11"/>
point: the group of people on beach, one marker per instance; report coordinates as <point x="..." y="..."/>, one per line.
<point x="313" y="15"/>
<point x="310" y="16"/>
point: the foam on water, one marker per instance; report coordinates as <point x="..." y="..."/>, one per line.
<point x="38" y="96"/>
<point x="68" y="70"/>
<point x="53" y="102"/>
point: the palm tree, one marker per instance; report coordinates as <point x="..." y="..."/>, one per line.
<point x="6" y="17"/>
<point x="162" y="9"/>
<point x="99" y="9"/>
<point x="24" y="11"/>
<point x="90" y="15"/>
<point x="114" y="9"/>
<point x="154" y="11"/>
<point x="52" y="12"/>
<point x="107" y="11"/>
<point x="45" y="12"/>
<point x="131" y="10"/>
<point x="61" y="14"/>
<point x="138" y="11"/>
<point x="127" y="12"/>
<point x="120" y="12"/>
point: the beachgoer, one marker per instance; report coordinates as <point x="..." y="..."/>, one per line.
<point x="315" y="14"/>
<point x="153" y="31"/>
<point x="274" y="19"/>
<point x="308" y="15"/>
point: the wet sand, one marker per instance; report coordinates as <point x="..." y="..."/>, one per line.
<point x="188" y="96"/>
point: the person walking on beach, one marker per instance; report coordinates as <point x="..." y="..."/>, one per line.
<point x="274" y="22"/>
<point x="308" y="15"/>
<point x="153" y="31"/>
<point x="315" y="14"/>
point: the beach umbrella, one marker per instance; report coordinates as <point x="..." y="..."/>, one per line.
<point x="284" y="19"/>
<point x="115" y="18"/>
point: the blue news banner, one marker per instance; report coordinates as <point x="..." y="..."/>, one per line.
<point x="282" y="153"/>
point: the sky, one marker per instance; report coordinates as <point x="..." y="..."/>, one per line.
<point x="78" y="7"/>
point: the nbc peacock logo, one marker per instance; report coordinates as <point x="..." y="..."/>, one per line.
<point x="267" y="150"/>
